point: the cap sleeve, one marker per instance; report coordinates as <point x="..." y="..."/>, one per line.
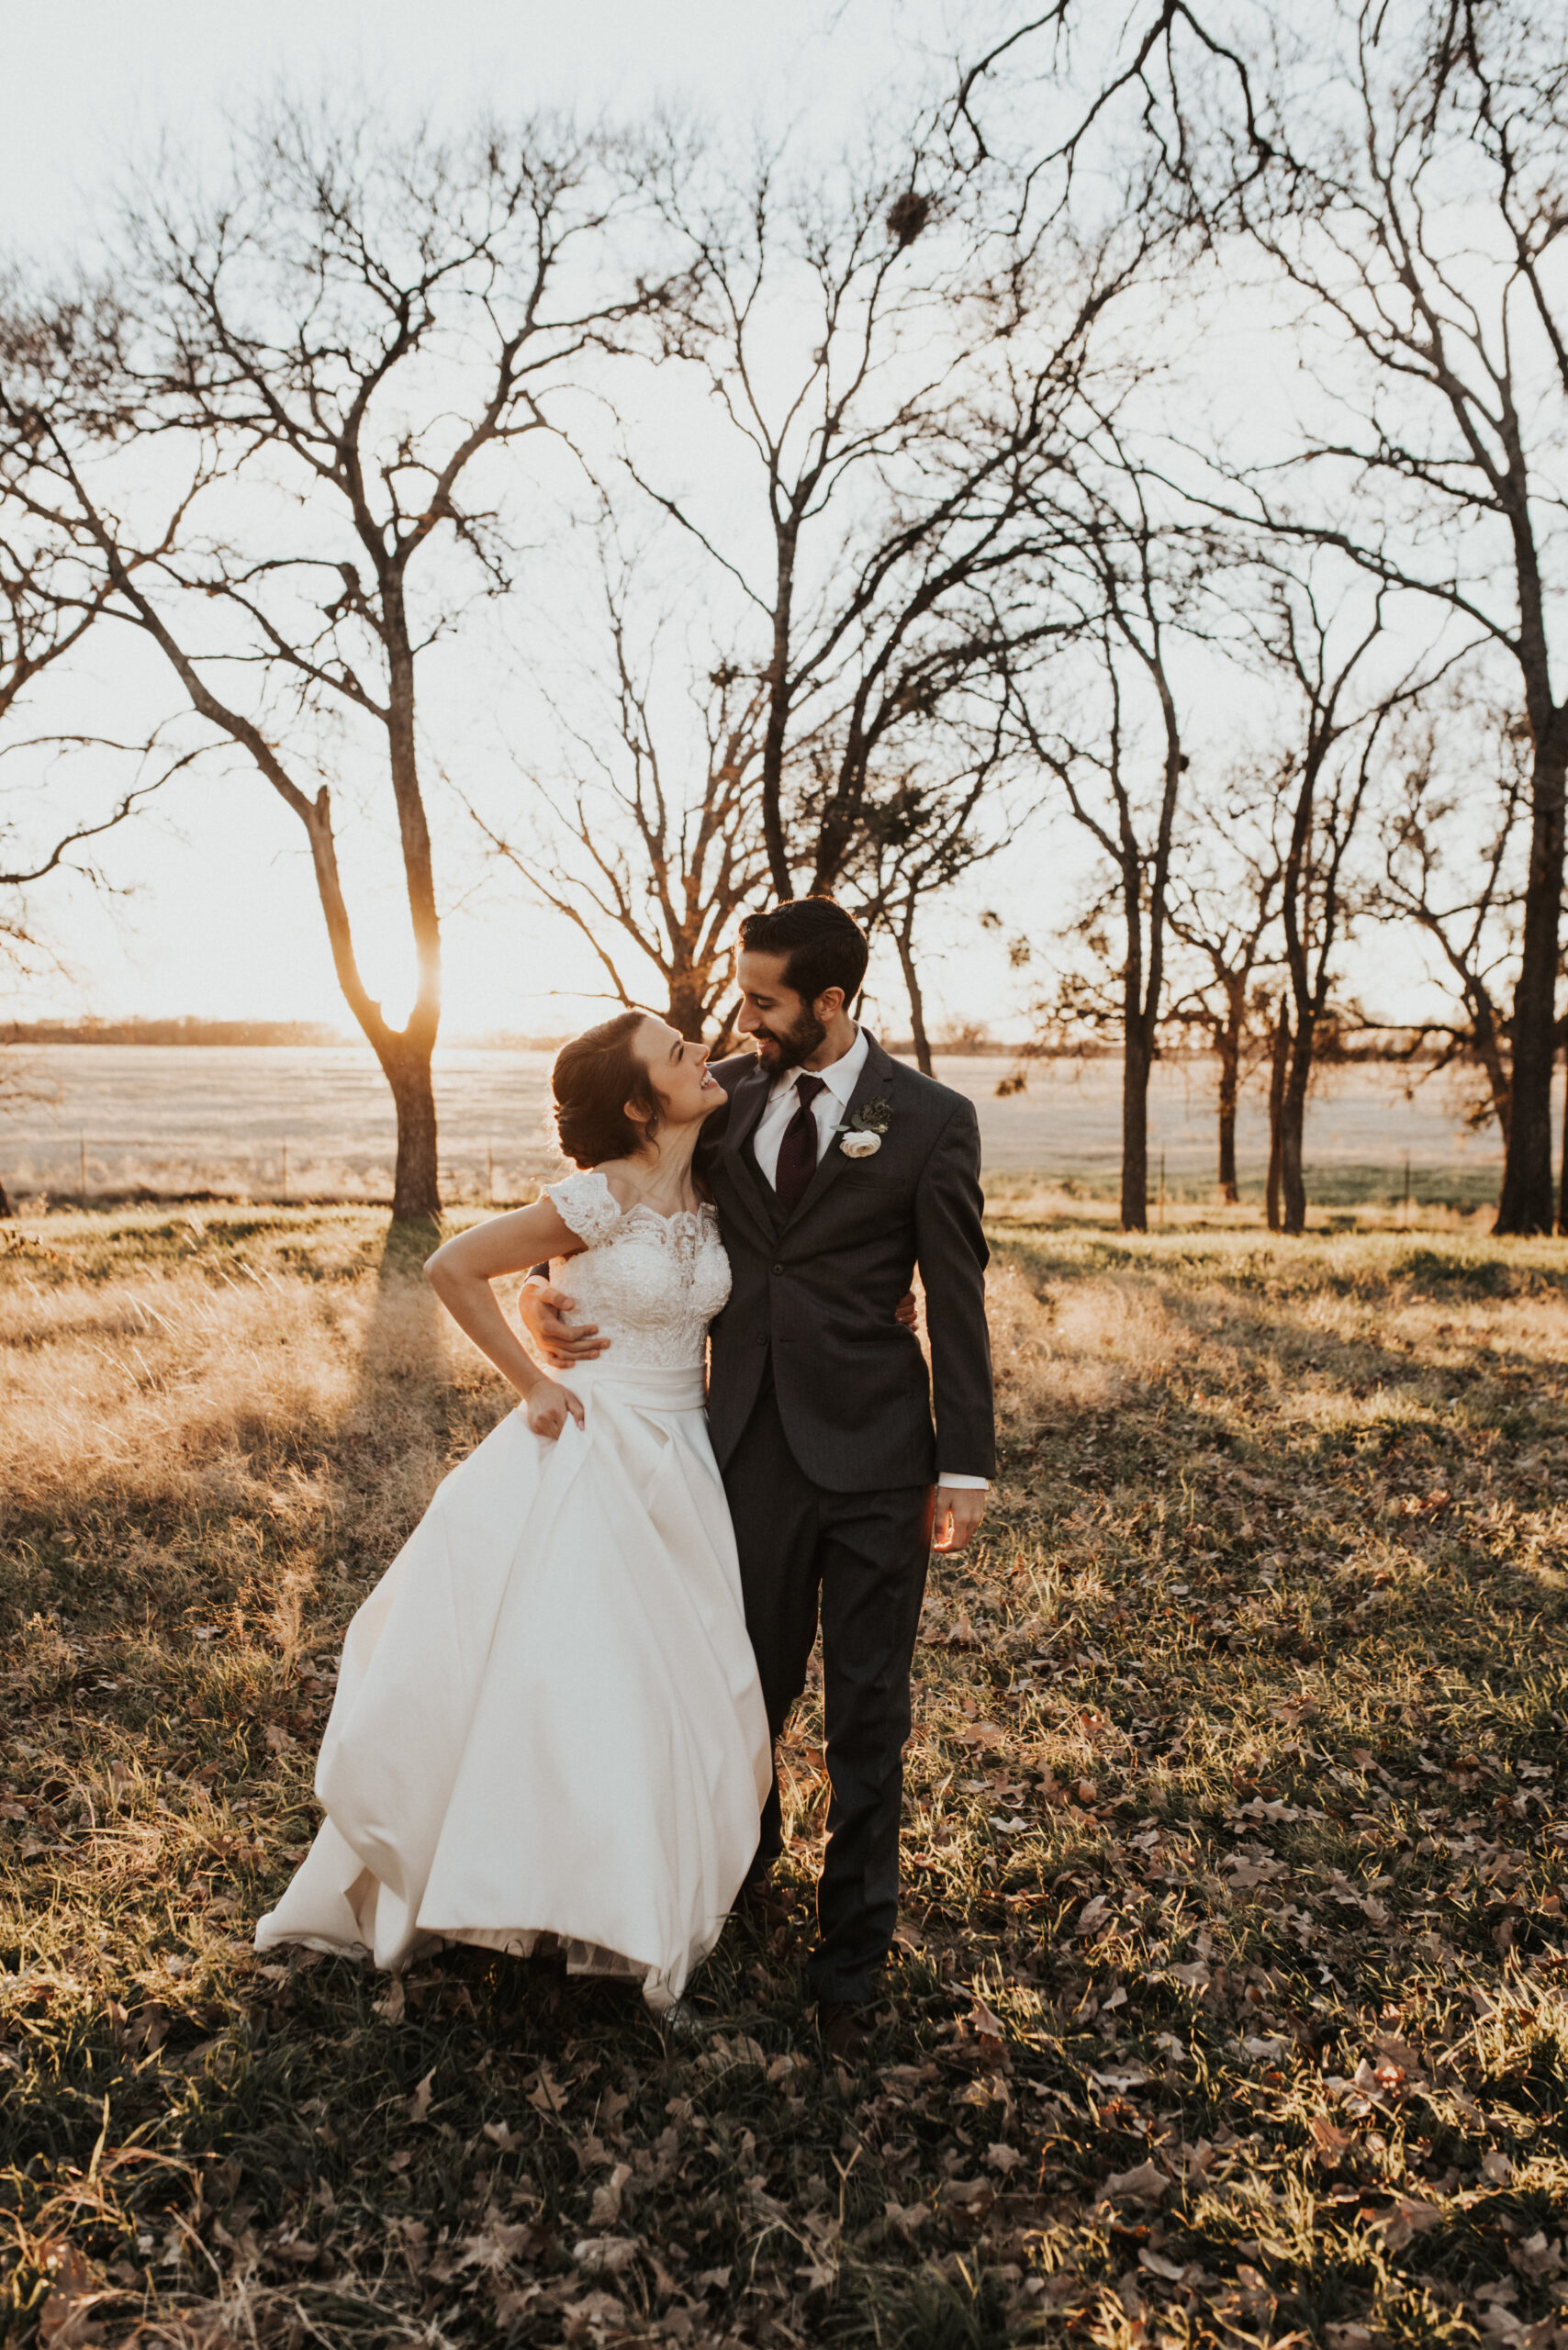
<point x="587" y="1203"/>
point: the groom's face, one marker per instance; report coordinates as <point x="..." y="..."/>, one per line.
<point x="783" y="1028"/>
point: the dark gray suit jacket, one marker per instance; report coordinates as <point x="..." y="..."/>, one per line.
<point x="814" y="1292"/>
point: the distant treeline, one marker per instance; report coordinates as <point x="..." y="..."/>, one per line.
<point x="185" y="1031"/>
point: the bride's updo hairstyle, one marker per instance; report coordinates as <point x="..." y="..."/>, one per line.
<point x="594" y="1078"/>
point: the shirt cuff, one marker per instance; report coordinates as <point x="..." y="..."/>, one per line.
<point x="964" y="1484"/>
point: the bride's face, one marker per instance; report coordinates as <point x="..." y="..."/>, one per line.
<point x="677" y="1071"/>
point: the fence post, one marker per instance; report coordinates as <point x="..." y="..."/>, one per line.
<point x="81" y="1167"/>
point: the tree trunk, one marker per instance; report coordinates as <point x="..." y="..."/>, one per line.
<point x="6" y="1207"/>
<point x="1526" y="1203"/>
<point x="1293" y="1125"/>
<point x="911" y="983"/>
<point x="1227" y="1044"/>
<point x="415" y="1187"/>
<point x="1278" y="1068"/>
<point x="1563" y="1184"/>
<point x="1136" y="1061"/>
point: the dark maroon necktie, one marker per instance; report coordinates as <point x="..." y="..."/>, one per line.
<point x="797" y="1151"/>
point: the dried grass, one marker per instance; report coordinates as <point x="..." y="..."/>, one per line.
<point x="1231" y="1994"/>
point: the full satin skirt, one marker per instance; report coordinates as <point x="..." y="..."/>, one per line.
<point x="547" y="1718"/>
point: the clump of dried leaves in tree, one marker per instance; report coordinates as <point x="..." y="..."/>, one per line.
<point x="1230" y="2005"/>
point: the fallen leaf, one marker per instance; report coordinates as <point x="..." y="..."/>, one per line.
<point x="596" y="2308"/>
<point x="606" y="2207"/>
<point x="75" y="2288"/>
<point x="419" y="2103"/>
<point x="1146" y="2184"/>
<point x="1411" y="2216"/>
<point x="547" y="2095"/>
<point x="612" y="2253"/>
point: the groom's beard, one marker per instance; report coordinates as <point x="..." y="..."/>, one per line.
<point x="794" y="1047"/>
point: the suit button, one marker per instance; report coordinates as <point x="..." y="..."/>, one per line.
<point x="777" y="1268"/>
<point x="763" y="1341"/>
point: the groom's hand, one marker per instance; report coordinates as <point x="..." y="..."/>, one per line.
<point x="907" y="1312"/>
<point x="543" y="1309"/>
<point x="956" y="1515"/>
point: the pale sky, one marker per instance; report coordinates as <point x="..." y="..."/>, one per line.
<point x="218" y="914"/>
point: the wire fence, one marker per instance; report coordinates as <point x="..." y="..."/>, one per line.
<point x="87" y="1170"/>
<point x="81" y="1169"/>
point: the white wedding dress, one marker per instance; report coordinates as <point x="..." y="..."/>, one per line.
<point x="547" y="1717"/>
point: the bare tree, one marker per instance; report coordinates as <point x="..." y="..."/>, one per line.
<point x="344" y="351"/>
<point x="48" y="601"/>
<point x="1222" y="912"/>
<point x="645" y="850"/>
<point x="1417" y="206"/>
<point x="923" y="833"/>
<point x="939" y="373"/>
<point x="1320" y="647"/>
<point x="1133" y="582"/>
<point x="1459" y="882"/>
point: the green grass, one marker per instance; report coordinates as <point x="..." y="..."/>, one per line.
<point x="1230" y="2000"/>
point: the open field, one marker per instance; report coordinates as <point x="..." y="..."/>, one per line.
<point x="265" y="1122"/>
<point x="1232" y="2004"/>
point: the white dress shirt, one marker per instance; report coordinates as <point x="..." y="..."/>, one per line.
<point x="839" y="1081"/>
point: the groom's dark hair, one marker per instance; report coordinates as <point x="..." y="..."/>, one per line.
<point x="822" y="946"/>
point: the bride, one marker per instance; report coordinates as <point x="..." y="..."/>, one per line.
<point x="548" y="1719"/>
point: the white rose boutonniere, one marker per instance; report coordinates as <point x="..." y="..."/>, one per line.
<point x="860" y="1136"/>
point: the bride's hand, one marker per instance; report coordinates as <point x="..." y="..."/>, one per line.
<point x="548" y="1405"/>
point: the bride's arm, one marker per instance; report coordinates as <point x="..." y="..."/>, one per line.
<point x="461" y="1272"/>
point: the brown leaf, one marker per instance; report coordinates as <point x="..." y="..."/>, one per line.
<point x="1330" y="2142"/>
<point x="148" y="2029"/>
<point x="606" y="2207"/>
<point x="419" y="2103"/>
<point x="547" y="2095"/>
<point x="1146" y="2184"/>
<point x="391" y="2004"/>
<point x="1411" y="2216"/>
<point x="611" y="2254"/>
<point x="499" y="2242"/>
<point x="595" y="2309"/>
<point x="75" y="2288"/>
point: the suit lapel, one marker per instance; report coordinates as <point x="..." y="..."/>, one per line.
<point x="747" y="1105"/>
<point x="873" y="1078"/>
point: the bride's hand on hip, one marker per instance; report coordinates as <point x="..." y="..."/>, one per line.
<point x="549" y="1406"/>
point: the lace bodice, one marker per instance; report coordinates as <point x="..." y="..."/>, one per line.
<point x="651" y="1282"/>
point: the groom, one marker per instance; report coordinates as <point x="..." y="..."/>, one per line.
<point x="836" y="1172"/>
